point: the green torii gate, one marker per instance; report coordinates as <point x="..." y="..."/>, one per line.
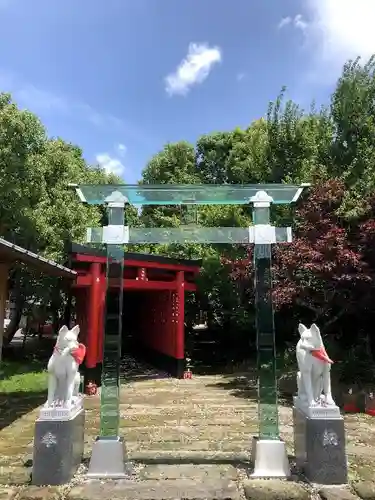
<point x="268" y="451"/>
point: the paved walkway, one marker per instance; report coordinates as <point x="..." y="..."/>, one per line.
<point x="168" y="425"/>
<point x="180" y="418"/>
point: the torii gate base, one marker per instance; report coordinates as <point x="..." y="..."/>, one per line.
<point x="269" y="458"/>
<point x="109" y="454"/>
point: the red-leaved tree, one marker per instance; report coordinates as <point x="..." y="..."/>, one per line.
<point x="321" y="271"/>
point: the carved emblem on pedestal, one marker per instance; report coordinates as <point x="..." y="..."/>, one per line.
<point x="330" y="438"/>
<point x="49" y="439"/>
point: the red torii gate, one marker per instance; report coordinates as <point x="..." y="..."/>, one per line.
<point x="157" y="314"/>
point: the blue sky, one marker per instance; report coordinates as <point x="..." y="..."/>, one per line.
<point x="121" y="78"/>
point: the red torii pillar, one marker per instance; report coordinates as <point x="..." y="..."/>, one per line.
<point x="101" y="308"/>
<point x="94" y="316"/>
<point x="180" y="333"/>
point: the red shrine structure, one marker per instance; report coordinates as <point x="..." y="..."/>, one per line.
<point x="154" y="300"/>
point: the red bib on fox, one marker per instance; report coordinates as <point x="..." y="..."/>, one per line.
<point x="322" y="355"/>
<point x="79" y="353"/>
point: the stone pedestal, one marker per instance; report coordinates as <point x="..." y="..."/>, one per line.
<point x="319" y="446"/>
<point x="108" y="459"/>
<point x="58" y="445"/>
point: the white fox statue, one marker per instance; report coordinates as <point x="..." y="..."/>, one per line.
<point x="314" y="365"/>
<point x="63" y="374"/>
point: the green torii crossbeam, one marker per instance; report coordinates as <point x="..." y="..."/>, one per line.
<point x="108" y="458"/>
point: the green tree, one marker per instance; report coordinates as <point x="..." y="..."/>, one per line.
<point x="353" y="146"/>
<point x="40" y="211"/>
<point x="22" y="139"/>
<point x="298" y="144"/>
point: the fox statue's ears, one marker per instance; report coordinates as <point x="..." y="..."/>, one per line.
<point x="75" y="331"/>
<point x="315" y="329"/>
<point x="301" y="328"/>
<point x="63" y="331"/>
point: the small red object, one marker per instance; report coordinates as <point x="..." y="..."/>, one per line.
<point x="91" y="389"/>
<point x="322" y="355"/>
<point x="351" y="408"/>
<point x="370" y="412"/>
<point x="47" y="329"/>
<point x="187" y="374"/>
<point x="79" y="353"/>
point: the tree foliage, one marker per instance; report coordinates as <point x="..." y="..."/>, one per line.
<point x="39" y="210"/>
<point x="322" y="271"/>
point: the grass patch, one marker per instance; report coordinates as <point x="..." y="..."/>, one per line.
<point x="23" y="387"/>
<point x="22" y="376"/>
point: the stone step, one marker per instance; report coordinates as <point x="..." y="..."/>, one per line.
<point x="170" y="412"/>
<point x="185" y="406"/>
<point x="193" y="445"/>
<point x="187" y="434"/>
<point x="198" y="407"/>
<point x="201" y="380"/>
<point x="194" y="383"/>
<point x="140" y="397"/>
<point x="190" y="425"/>
<point x="182" y="386"/>
<point x="189" y="471"/>
<point x="187" y="386"/>
<point x="175" y="399"/>
<point x="137" y="422"/>
<point x="189" y="456"/>
<point x="238" y="424"/>
<point x="174" y="448"/>
<point x="157" y="490"/>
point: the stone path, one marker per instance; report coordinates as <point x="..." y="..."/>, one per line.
<point x="177" y="418"/>
<point x="185" y="439"/>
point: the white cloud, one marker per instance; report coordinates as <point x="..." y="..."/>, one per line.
<point x="110" y="164"/>
<point x="121" y="148"/>
<point x="193" y="69"/>
<point x="285" y="21"/>
<point x="342" y="29"/>
<point x="296" y="21"/>
<point x="300" y="23"/>
<point x="335" y="31"/>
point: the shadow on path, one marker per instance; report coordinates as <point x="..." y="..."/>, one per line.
<point x="137" y="370"/>
<point x="14" y="405"/>
<point x="245" y="386"/>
